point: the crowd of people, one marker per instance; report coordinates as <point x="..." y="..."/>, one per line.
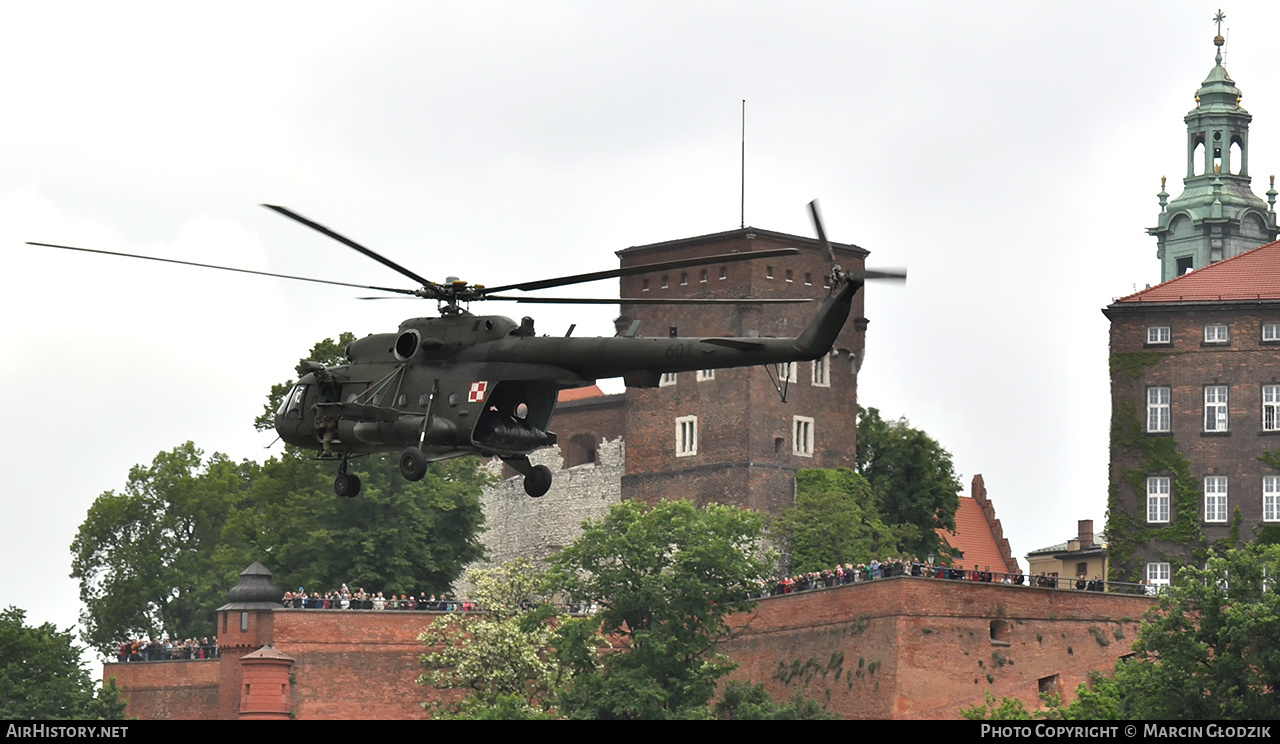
<point x="148" y="649"/>
<point x="345" y="599"/>
<point x="889" y="567"/>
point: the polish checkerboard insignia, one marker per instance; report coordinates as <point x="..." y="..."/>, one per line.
<point x="477" y="392"/>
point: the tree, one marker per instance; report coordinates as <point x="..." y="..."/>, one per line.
<point x="912" y="477"/>
<point x="666" y="577"/>
<point x="513" y="659"/>
<point x="834" y="521"/>
<point x="145" y="556"/>
<point x="396" y="536"/>
<point x="1210" y="650"/>
<point x="42" y="676"/>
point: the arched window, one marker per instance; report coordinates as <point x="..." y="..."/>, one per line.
<point x="581" y="451"/>
<point x="1197" y="158"/>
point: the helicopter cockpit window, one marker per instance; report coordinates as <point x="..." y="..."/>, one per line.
<point x="424" y="400"/>
<point x="292" y="407"/>
<point x="522" y="411"/>
<point x="402" y="401"/>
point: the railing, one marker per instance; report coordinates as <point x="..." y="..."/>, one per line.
<point x="831" y="579"/>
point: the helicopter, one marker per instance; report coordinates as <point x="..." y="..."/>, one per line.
<point x="460" y="384"/>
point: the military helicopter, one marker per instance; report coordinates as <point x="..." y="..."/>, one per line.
<point x="461" y="384"/>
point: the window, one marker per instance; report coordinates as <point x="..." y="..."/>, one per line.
<point x="1215" y="498"/>
<point x="1158" y="574"/>
<point x="684" y="278"/>
<point x="724" y="273"/>
<point x="808" y="279"/>
<point x="706" y="374"/>
<point x="1215" y="334"/>
<point x="1158" y="409"/>
<point x="686" y="436"/>
<point x="702" y="278"/>
<point x="666" y="281"/>
<point x="1158" y="335"/>
<point x="790" y="276"/>
<point x="1271" y="331"/>
<point x="1271" y="498"/>
<point x="667" y="380"/>
<point x="802" y="436"/>
<point x="1157" y="500"/>
<point x="1215" y="408"/>
<point x="768" y="272"/>
<point x="644" y="285"/>
<point x="1271" y="407"/>
<point x="822" y="371"/>
<point x="787" y="372"/>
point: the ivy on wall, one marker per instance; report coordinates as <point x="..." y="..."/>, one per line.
<point x="1132" y="363"/>
<point x="1154" y="455"/>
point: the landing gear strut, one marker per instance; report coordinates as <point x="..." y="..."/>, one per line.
<point x="537" y="478"/>
<point x="346" y="485"/>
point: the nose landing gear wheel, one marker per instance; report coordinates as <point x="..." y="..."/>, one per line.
<point x="413" y="464"/>
<point x="538" y="482"/>
<point x="346" y="485"/>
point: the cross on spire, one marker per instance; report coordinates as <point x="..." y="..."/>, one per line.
<point x="1218" y="19"/>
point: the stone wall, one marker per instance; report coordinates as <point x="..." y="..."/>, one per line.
<point x="519" y="526"/>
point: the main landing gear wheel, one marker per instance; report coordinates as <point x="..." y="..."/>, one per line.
<point x="346" y="485"/>
<point x="538" y="482"/>
<point x="413" y="464"/>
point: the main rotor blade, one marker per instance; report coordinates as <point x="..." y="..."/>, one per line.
<point x="822" y="234"/>
<point x="351" y="244"/>
<point x="646" y="301"/>
<point x="226" y="268"/>
<point x="900" y="274"/>
<point x="644" y="269"/>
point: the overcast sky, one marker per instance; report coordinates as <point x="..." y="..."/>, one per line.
<point x="1007" y="154"/>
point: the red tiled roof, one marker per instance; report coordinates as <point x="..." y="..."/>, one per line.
<point x="591" y="391"/>
<point x="979" y="535"/>
<point x="973" y="537"/>
<point x="1252" y="275"/>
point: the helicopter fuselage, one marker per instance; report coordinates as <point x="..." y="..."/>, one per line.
<point x="464" y="384"/>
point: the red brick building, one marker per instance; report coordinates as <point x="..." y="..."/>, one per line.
<point x="727" y="435"/>
<point x="1195" y="394"/>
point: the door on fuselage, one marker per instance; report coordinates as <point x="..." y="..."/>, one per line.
<point x="515" y="417"/>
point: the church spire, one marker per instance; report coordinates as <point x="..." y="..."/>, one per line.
<point x="1217" y="215"/>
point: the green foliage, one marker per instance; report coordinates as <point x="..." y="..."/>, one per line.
<point x="327" y="352"/>
<point x="1153" y="455"/>
<point x="666" y="578"/>
<point x="744" y="701"/>
<point x="397" y="536"/>
<point x="1009" y="709"/>
<point x="834" y="521"/>
<point x="144" y="556"/>
<point x="1131" y="364"/>
<point x="42" y="678"/>
<point x="158" y="557"/>
<point x="508" y="658"/>
<point x="912" y="478"/>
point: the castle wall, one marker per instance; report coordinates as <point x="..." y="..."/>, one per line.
<point x="893" y="648"/>
<point x="168" y="690"/>
<point x="921" y="648"/>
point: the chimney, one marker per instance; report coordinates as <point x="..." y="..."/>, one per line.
<point x="1086" y="533"/>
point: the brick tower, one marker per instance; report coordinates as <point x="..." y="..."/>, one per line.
<point x="726" y="435"/>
